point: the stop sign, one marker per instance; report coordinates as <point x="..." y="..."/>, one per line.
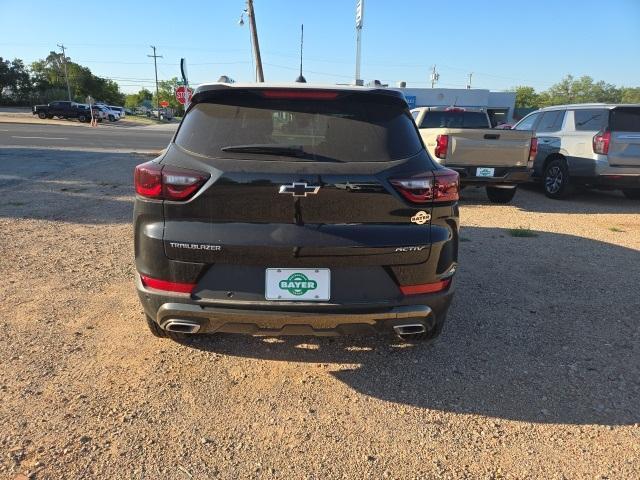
<point x="182" y="96"/>
<point x="164" y="104"/>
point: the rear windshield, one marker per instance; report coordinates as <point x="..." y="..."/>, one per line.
<point x="355" y="128"/>
<point x="591" y="119"/>
<point x="454" y="119"/>
<point x="625" y="119"/>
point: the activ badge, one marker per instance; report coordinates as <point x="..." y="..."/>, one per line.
<point x="297" y="284"/>
<point x="421" y="217"/>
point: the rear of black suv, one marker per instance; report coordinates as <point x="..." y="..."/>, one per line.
<point x="295" y="211"/>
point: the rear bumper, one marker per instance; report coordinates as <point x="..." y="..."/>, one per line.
<point x="280" y="318"/>
<point x="502" y="175"/>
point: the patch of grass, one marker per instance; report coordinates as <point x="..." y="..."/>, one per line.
<point x="616" y="229"/>
<point x="522" y="232"/>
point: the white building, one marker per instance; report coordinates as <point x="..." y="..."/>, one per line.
<point x="499" y="105"/>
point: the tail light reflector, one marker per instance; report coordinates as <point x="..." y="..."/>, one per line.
<point x="441" y="185"/>
<point x="533" y="149"/>
<point x="165" y="182"/>
<point x="425" y="287"/>
<point x="601" y="142"/>
<point x="442" y="145"/>
<point x="166" y="285"/>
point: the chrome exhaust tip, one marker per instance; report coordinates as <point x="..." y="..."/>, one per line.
<point x="181" y="326"/>
<point x="409" y="329"/>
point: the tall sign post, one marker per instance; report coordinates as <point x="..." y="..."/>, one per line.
<point x="359" y="17"/>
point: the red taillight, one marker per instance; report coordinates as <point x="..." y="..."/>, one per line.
<point x="601" y="142"/>
<point x="442" y="185"/>
<point x="416" y="190"/>
<point x="447" y="185"/>
<point x="166" y="182"/>
<point x="442" y="145"/>
<point x="166" y="285"/>
<point x="533" y="149"/>
<point x="148" y="180"/>
<point x="425" y="287"/>
<point x="455" y="109"/>
<point x="301" y="94"/>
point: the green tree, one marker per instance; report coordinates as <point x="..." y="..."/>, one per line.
<point x="581" y="90"/>
<point x="166" y="91"/>
<point x="630" y="95"/>
<point x="134" y="100"/>
<point x="15" y="82"/>
<point x="526" y="97"/>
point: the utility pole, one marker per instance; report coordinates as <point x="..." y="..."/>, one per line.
<point x="155" y="65"/>
<point x="66" y="76"/>
<point x="254" y="41"/>
<point x="469" y="82"/>
<point x="359" y="18"/>
<point x="435" y="76"/>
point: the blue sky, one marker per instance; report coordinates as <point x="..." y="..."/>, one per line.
<point x="504" y="43"/>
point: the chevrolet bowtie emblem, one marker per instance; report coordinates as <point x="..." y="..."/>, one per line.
<point x="299" y="189"/>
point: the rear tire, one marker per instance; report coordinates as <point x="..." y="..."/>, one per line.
<point x="49" y="116"/>
<point x="500" y="195"/>
<point x="82" y="118"/>
<point x="111" y="118"/>
<point x="42" y="115"/>
<point x="156" y="331"/>
<point x="556" y="182"/>
<point x="631" y="193"/>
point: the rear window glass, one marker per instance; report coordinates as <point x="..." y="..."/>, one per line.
<point x="625" y="119"/>
<point x="454" y="119"/>
<point x="591" y="119"/>
<point x="350" y="129"/>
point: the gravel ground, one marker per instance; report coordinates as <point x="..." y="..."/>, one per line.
<point x="537" y="374"/>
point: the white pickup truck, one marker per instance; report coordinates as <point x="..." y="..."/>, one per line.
<point x="462" y="139"/>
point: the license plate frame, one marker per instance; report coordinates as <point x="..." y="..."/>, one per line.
<point x="302" y="284"/>
<point x="486" y="172"/>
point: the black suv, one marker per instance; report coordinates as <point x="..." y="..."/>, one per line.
<point x="295" y="210"/>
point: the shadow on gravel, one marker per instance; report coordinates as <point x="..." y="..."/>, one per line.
<point x="542" y="329"/>
<point x="67" y="185"/>
<point x="531" y="198"/>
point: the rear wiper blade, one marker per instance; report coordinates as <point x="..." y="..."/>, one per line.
<point x="269" y="149"/>
<point x="281" y="150"/>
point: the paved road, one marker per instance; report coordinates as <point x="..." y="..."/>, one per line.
<point x="105" y="137"/>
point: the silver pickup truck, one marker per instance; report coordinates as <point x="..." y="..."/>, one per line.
<point x="462" y="139"/>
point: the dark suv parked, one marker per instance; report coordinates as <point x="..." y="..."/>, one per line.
<point x="295" y="210"/>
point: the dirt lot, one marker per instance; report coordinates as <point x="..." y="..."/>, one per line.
<point x="537" y="374"/>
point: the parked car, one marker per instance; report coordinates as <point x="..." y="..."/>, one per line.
<point x="120" y="110"/>
<point x="61" y="109"/>
<point x="593" y="145"/>
<point x="295" y="210"/>
<point x="462" y="139"/>
<point x="96" y="112"/>
<point x="112" y="115"/>
<point x="162" y="114"/>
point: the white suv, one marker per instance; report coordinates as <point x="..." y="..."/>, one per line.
<point x="595" y="145"/>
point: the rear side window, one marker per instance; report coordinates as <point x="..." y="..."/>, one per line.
<point x="356" y="128"/>
<point x="591" y="119"/>
<point x="625" y="119"/>
<point x="454" y="119"/>
<point x="551" y="121"/>
<point x="528" y="122"/>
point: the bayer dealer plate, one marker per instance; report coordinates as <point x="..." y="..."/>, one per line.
<point x="301" y="284"/>
<point x="485" y="172"/>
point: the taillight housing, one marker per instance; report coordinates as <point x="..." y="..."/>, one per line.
<point x="166" y="182"/>
<point x="299" y="94"/>
<point x="441" y="185"/>
<point x="442" y="145"/>
<point x="533" y="149"/>
<point x="166" y="285"/>
<point x="601" y="142"/>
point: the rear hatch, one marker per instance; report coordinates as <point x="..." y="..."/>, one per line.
<point x="299" y="180"/>
<point x="624" y="147"/>
<point x="471" y="141"/>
